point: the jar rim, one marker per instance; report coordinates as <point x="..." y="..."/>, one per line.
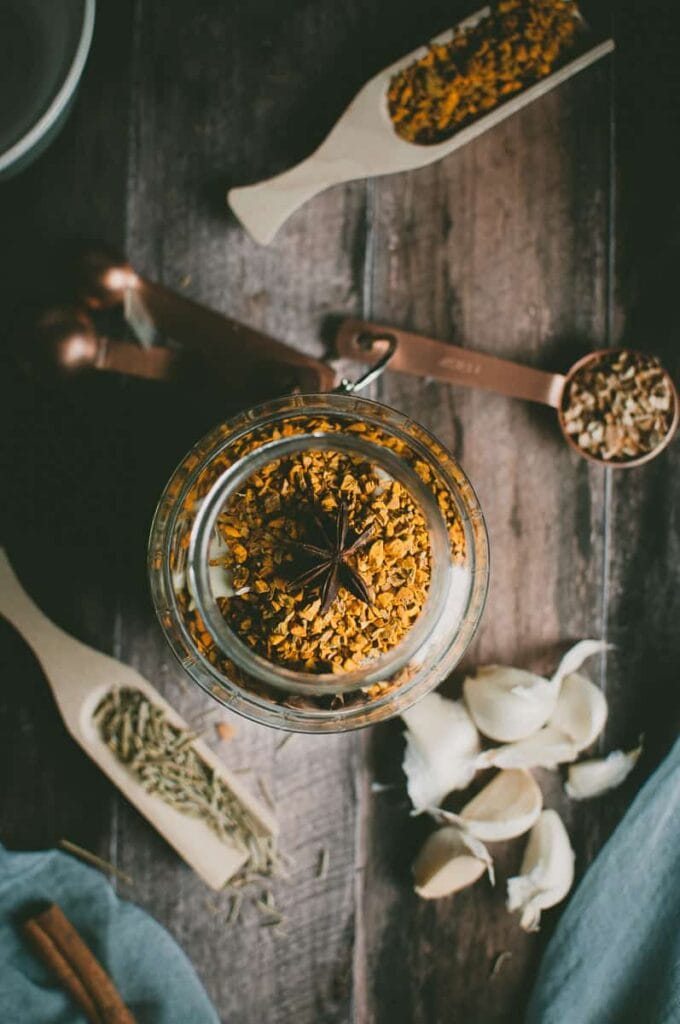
<point x="353" y="410"/>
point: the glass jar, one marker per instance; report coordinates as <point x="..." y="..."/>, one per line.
<point x="191" y="613"/>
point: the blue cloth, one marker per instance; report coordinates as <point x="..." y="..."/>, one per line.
<point x="615" y="955"/>
<point x="149" y="970"/>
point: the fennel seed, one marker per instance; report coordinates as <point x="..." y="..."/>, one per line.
<point x="164" y="761"/>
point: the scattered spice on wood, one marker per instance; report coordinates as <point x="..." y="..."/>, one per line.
<point x="620" y="406"/>
<point x="224" y="730"/>
<point x="94" y="860"/>
<point x="515" y="45"/>
<point x="324" y="861"/>
<point x="499" y="961"/>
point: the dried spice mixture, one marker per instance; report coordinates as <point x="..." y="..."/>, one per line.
<point x="517" y="44"/>
<point x="321" y="561"/>
<point x="329" y="559"/>
<point x="619" y="407"/>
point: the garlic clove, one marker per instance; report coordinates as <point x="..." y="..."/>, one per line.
<point x="547" y="872"/>
<point x="508" y="704"/>
<point x="581" y="710"/>
<point x="509" y="806"/>
<point x="447" y="864"/>
<point x="590" y="778"/>
<point x="576" y="655"/>
<point x="545" y="749"/>
<point x="442" y="745"/>
<point x="578" y="719"/>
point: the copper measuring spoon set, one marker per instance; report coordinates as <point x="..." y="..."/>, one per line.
<point x="425" y="357"/>
<point x="67" y="338"/>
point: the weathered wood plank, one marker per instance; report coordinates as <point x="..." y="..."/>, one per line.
<point x="504" y="247"/>
<point x="56" y="511"/>
<point x="501" y="247"/>
<point x="209" y="104"/>
<point x="643" y="583"/>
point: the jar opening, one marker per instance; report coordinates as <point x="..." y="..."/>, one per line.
<point x="273" y="671"/>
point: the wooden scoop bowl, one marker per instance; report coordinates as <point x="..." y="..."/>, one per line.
<point x="80" y="677"/>
<point x="364" y="143"/>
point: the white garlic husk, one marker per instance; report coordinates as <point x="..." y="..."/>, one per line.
<point x="547" y="872"/>
<point x="547" y="748"/>
<point x="507" y="807"/>
<point x="576" y="655"/>
<point x="442" y="745"/>
<point x="578" y="719"/>
<point x="581" y="710"/>
<point x="507" y="704"/>
<point x="591" y="778"/>
<point x="448" y="862"/>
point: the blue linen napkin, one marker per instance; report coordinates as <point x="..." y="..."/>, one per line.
<point x="150" y="971"/>
<point x="615" y="955"/>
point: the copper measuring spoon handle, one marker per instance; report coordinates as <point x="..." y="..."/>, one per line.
<point x="225" y="344"/>
<point x="425" y="357"/>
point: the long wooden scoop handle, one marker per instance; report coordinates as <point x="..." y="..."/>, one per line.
<point x="57" y="652"/>
<point x="22" y="612"/>
<point x="425" y="357"/>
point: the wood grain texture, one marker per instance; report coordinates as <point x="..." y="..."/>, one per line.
<point x="487" y="249"/>
<point x="550" y="235"/>
<point x="178" y="230"/>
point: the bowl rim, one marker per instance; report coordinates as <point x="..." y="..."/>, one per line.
<point x="61" y="98"/>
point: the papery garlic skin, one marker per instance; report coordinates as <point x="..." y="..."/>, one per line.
<point x="442" y="745"/>
<point x="508" y="704"/>
<point x="578" y="719"/>
<point x="446" y="864"/>
<point x="591" y="778"/>
<point x="547" y="748"/>
<point x="576" y="655"/>
<point x="547" y="872"/>
<point x="581" y="710"/>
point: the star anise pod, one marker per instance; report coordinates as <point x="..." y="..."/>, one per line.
<point x="328" y="556"/>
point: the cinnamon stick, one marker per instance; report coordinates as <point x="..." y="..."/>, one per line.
<point x="50" y="955"/>
<point x="61" y="948"/>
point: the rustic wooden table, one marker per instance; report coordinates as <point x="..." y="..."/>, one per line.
<point x="554" y="233"/>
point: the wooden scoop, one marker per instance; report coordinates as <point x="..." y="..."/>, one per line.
<point x="80" y="677"/>
<point x="364" y="143"/>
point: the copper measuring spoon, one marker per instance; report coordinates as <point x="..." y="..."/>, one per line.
<point x="425" y="357"/>
<point x="66" y="337"/>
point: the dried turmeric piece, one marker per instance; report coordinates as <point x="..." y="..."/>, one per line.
<point x="517" y="44"/>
